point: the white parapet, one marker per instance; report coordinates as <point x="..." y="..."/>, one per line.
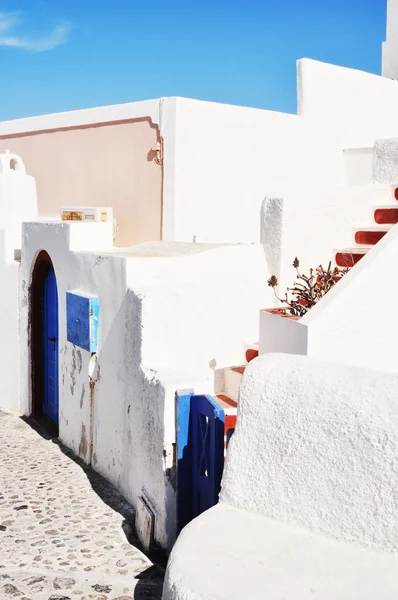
<point x="282" y="334"/>
<point x="308" y="500"/>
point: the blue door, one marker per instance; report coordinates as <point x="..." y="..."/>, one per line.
<point x="50" y="344"/>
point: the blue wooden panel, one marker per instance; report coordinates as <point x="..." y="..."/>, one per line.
<point x="207" y="425"/>
<point x="200" y="452"/>
<point x="82" y="320"/>
<point x="184" y="466"/>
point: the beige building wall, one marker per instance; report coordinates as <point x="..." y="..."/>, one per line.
<point x="106" y="164"/>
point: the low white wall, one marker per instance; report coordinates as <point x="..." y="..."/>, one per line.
<point x="316" y="446"/>
<point x="308" y="502"/>
<point x="172" y="316"/>
<point x="221" y="161"/>
<point x="281" y="334"/>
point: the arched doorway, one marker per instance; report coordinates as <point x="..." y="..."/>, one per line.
<point x="44" y="343"/>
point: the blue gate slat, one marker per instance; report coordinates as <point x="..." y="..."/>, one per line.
<point x="200" y="452"/>
<point x="207" y="426"/>
<point x="184" y="457"/>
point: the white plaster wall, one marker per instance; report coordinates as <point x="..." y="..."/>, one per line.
<point x="313" y="224"/>
<point x="308" y="502"/>
<point x="227" y="158"/>
<point x="159" y="330"/>
<point x="353" y="323"/>
<point x="316" y="446"/>
<point x="206" y="282"/>
<point x="193" y="318"/>
<point x="345" y="96"/>
<point x="355" y="316"/>
<point x="392" y="19"/>
<point x="73" y="271"/>
<point x="231" y="554"/>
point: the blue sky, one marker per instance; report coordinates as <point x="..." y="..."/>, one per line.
<point x="58" y="55"/>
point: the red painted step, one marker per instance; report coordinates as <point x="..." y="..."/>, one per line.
<point x="349" y="258"/>
<point x="386" y="216"/>
<point x="368" y="237"/>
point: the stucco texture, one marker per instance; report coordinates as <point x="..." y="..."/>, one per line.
<point x="317" y="445"/>
<point x="308" y="503"/>
<point x="159" y="331"/>
<point x="106" y="164"/>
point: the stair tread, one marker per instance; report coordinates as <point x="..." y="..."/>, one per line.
<point x="378" y="227"/>
<point x="226" y="402"/>
<point x="392" y="206"/>
<point x="239" y="370"/>
<point x="355" y="250"/>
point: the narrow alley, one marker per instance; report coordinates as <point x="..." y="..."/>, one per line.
<point x="62" y="526"/>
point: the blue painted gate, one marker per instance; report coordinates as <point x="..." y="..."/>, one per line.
<point x="50" y="346"/>
<point x="200" y="443"/>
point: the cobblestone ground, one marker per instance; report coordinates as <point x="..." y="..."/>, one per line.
<point x="61" y="527"/>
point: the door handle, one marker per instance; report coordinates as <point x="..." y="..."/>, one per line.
<point x="53" y="340"/>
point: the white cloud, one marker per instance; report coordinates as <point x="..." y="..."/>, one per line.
<point x="10" y="20"/>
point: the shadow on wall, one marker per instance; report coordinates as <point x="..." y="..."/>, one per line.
<point x="129" y="417"/>
<point x="150" y="581"/>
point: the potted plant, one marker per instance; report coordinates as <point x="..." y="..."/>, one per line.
<point x="289" y="335"/>
<point x="306" y="291"/>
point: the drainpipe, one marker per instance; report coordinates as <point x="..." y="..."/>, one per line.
<point x="92" y="375"/>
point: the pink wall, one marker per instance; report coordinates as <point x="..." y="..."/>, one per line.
<point x="107" y="164"/>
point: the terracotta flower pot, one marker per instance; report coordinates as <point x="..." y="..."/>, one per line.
<point x="282" y="312"/>
<point x="251" y="354"/>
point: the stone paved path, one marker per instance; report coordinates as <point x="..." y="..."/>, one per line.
<point x="61" y="534"/>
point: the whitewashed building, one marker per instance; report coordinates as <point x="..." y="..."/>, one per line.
<point x="106" y="320"/>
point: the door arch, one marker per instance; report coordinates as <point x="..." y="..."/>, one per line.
<point x="44" y="342"/>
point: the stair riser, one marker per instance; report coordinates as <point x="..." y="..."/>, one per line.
<point x="347" y="260"/>
<point x="369" y="238"/>
<point x="232" y="383"/>
<point x="386" y="216"/>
